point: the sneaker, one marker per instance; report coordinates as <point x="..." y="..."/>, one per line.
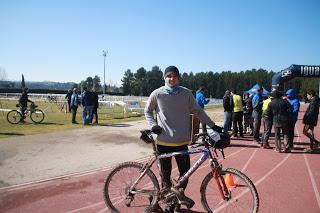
<point x="182" y="198"/>
<point x="277" y="150"/>
<point x="308" y="150"/>
<point x="287" y="151"/>
<point x="169" y="209"/>
<point x="177" y="209"/>
<point x="266" y="146"/>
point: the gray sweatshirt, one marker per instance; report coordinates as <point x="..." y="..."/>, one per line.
<point x="173" y="115"/>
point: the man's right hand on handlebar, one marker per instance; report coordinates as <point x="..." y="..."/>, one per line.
<point x="156" y="129"/>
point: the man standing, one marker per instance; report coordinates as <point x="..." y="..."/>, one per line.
<point x="295" y="106"/>
<point x="237" y="114"/>
<point x="95" y="106"/>
<point x="173" y="105"/>
<point x="68" y="97"/>
<point x="267" y="124"/>
<point x="257" y="102"/>
<point x="310" y="119"/>
<point x="227" y="111"/>
<point x="278" y="112"/>
<point x="75" y="102"/>
<point x="87" y="103"/>
<point x="201" y="100"/>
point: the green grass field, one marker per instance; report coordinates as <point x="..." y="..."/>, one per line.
<point x="56" y="120"/>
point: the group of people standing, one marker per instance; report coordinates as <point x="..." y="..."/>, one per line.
<point x="279" y="111"/>
<point x="89" y="100"/>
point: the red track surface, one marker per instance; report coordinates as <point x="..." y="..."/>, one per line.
<point x="285" y="182"/>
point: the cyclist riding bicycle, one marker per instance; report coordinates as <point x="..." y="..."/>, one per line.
<point x="23" y="103"/>
<point x="173" y="105"/>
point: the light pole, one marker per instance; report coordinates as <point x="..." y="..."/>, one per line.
<point x="104" y="54"/>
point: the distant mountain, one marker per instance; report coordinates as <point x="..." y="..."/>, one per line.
<point x="44" y="85"/>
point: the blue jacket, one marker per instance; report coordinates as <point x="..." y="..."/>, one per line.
<point x="295" y="104"/>
<point x="257" y="102"/>
<point x="201" y="100"/>
<point x="75" y="100"/>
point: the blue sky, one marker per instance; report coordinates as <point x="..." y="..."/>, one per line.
<point x="62" y="40"/>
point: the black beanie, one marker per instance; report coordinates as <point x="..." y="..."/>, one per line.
<point x="172" y="69"/>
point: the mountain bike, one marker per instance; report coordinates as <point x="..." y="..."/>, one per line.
<point x="36" y="115"/>
<point x="133" y="187"/>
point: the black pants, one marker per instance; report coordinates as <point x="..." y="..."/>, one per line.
<point x="69" y="106"/>
<point x="291" y="133"/>
<point x="95" y="114"/>
<point x="237" y="118"/>
<point x="256" y="126"/>
<point x="267" y="130"/>
<point x="277" y="137"/>
<point x="74" y="113"/>
<point x="183" y="162"/>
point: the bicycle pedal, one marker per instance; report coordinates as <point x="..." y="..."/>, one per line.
<point x="182" y="198"/>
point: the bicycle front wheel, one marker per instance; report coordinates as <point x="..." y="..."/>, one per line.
<point x="120" y="196"/>
<point x="14" y="116"/>
<point x="243" y="196"/>
<point x="37" y="116"/>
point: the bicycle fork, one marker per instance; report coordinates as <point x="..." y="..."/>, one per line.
<point x="223" y="189"/>
<point x="131" y="190"/>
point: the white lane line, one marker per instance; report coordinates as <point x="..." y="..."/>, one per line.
<point x="249" y="160"/>
<point x="314" y="185"/>
<point x="272" y="170"/>
<point x="86" y="207"/>
<point x="103" y="210"/>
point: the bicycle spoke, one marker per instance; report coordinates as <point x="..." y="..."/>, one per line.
<point x="118" y="193"/>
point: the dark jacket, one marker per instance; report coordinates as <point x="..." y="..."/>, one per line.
<point x="87" y="98"/>
<point x="227" y="103"/>
<point x="23" y="101"/>
<point x="278" y="111"/>
<point x="68" y="96"/>
<point x="311" y="115"/>
<point x="247" y="106"/>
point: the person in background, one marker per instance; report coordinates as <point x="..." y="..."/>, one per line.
<point x="201" y="100"/>
<point x="267" y="124"/>
<point x="23" y="103"/>
<point x="295" y="106"/>
<point x="278" y="112"/>
<point x="227" y="110"/>
<point x="87" y="103"/>
<point x="75" y="103"/>
<point x="237" y="114"/>
<point x="68" y="97"/>
<point x="173" y="105"/>
<point x="247" y="114"/>
<point x="257" y="102"/>
<point x="95" y="106"/>
<point x="310" y="119"/>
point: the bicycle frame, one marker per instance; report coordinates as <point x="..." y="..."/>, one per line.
<point x="206" y="153"/>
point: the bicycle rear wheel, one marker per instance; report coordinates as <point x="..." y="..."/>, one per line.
<point x="37" y="116"/>
<point x="14" y="116"/>
<point x="117" y="194"/>
<point x="243" y="194"/>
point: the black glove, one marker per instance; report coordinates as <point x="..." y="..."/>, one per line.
<point x="156" y="129"/>
<point x="217" y="128"/>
